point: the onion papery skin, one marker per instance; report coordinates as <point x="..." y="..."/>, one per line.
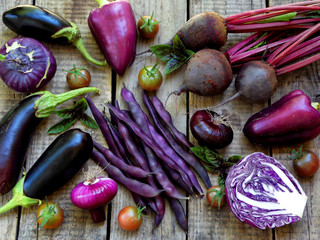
<point x="28" y="66"/>
<point x="94" y="195"/>
<point x="260" y="191"/>
<point x="209" y="131"/>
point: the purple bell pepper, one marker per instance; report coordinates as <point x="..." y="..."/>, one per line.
<point x="113" y="26"/>
<point x="292" y="119"/>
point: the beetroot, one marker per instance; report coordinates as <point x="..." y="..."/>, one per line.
<point x="208" y="73"/>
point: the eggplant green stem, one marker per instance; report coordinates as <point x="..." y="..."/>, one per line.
<point x="2" y="58"/>
<point x="74" y="36"/>
<point x="47" y="103"/>
<point x="19" y="199"/>
<point x="102" y="2"/>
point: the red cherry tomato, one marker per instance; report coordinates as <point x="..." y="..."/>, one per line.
<point x="216" y="196"/>
<point x="148" y="26"/>
<point x="305" y="163"/>
<point x="150" y="78"/>
<point x="50" y="215"/>
<point x="130" y="218"/>
<point x="78" y="77"/>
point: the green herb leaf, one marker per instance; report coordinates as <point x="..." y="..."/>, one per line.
<point x="64" y="113"/>
<point x="162" y="51"/>
<point x="81" y="105"/>
<point x="88" y="121"/>
<point x="62" y="126"/>
<point x="175" y="56"/>
<point x="281" y="18"/>
<point x="234" y="159"/>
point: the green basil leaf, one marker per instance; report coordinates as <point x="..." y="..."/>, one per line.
<point x="64" y="113"/>
<point x="88" y="121"/>
<point x="172" y="65"/>
<point x="178" y="46"/>
<point x="162" y="51"/>
<point x="234" y="159"/>
<point x="199" y="151"/>
<point x="61" y="126"/>
<point x="81" y="105"/>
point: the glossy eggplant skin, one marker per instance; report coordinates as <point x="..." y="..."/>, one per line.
<point x="290" y="120"/>
<point x="16" y="130"/>
<point x="64" y="157"/>
<point x="35" y="22"/>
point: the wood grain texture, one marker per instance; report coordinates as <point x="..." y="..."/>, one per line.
<point x="204" y="221"/>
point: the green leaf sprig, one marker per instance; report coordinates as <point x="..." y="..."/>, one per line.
<point x="71" y="116"/>
<point x="214" y="162"/>
<point x="174" y="56"/>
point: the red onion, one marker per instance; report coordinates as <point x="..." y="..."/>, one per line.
<point x="94" y="195"/>
<point x="26" y="65"/>
<point x="211" y="129"/>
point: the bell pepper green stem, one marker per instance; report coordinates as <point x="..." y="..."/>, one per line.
<point x="102" y="2"/>
<point x="48" y="102"/>
<point x="2" y="58"/>
<point x="74" y="36"/>
<point x="19" y="199"/>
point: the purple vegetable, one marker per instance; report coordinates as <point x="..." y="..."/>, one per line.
<point x="93" y="195"/>
<point x="292" y="119"/>
<point x="26" y="65"/>
<point x="114" y="29"/>
<point x="260" y="191"/>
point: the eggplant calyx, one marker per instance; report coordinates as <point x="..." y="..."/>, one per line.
<point x="19" y="199"/>
<point x="48" y="102"/>
<point x="74" y="36"/>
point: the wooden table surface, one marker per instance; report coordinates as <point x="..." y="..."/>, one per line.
<point x="204" y="222"/>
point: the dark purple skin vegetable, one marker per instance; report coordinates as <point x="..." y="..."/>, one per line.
<point x="133" y="185"/>
<point x="44" y="25"/>
<point x="16" y="131"/>
<point x="133" y="171"/>
<point x="142" y="120"/>
<point x="17" y="128"/>
<point x="26" y="65"/>
<point x="211" y="129"/>
<point x="114" y="22"/>
<point x="188" y="157"/>
<point x="179" y="213"/>
<point x="63" y="158"/>
<point x="208" y="73"/>
<point x="292" y="119"/>
<point x="167" y="119"/>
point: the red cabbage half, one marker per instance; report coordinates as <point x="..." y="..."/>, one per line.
<point x="261" y="192"/>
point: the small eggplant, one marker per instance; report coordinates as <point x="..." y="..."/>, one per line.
<point x="44" y="25"/>
<point x="17" y="128"/>
<point x="26" y="65"/>
<point x="114" y="28"/>
<point x="64" y="157"/>
<point x="290" y="120"/>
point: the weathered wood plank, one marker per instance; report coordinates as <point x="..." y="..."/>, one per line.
<point x="172" y="15"/>
<point x="305" y="79"/>
<point x="206" y="222"/>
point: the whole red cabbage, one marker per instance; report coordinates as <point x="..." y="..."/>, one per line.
<point x="260" y="191"/>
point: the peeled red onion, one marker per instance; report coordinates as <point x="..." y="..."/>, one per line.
<point x="94" y="195"/>
<point x="26" y="65"/>
<point x="211" y="129"/>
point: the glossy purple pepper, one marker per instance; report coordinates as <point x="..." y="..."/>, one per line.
<point x="113" y="26"/>
<point x="290" y="120"/>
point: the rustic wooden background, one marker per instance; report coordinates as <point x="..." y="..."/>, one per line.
<point x="204" y="222"/>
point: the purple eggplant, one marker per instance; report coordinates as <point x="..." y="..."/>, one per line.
<point x="26" y="65"/>
<point x="290" y="120"/>
<point x="17" y="128"/>
<point x="114" y="28"/>
<point x="44" y="25"/>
